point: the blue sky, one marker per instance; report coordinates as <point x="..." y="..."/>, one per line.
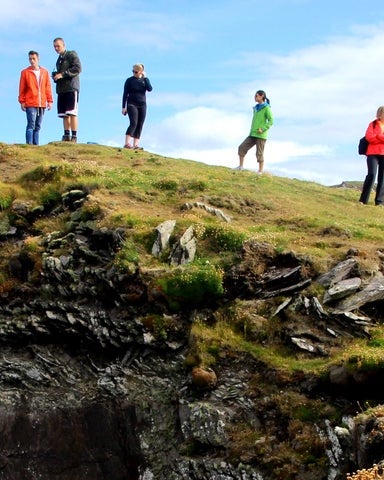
<point x="320" y="62"/>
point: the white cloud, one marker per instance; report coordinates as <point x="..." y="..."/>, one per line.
<point x="322" y="98"/>
<point x="117" y="22"/>
<point x="38" y="12"/>
<point x="202" y="127"/>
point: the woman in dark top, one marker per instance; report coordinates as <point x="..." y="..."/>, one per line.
<point x="135" y="104"/>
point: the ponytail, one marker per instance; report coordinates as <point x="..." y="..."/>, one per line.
<point x="264" y="95"/>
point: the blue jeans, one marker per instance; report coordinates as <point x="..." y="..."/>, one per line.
<point x="34" y="120"/>
<point x="375" y="165"/>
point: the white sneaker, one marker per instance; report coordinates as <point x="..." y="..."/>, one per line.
<point x="239" y="168"/>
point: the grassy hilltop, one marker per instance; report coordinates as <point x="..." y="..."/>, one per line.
<point x="145" y="189"/>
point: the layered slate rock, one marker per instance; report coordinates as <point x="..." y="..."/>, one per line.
<point x="96" y="379"/>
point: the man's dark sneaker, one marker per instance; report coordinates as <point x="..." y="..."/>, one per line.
<point x="66" y="138"/>
<point x="74" y="139"/>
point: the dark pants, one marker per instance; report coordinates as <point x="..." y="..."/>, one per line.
<point x="375" y="165"/>
<point x="136" y="116"/>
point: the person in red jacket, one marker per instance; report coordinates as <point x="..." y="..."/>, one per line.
<point x="35" y="95"/>
<point x="375" y="160"/>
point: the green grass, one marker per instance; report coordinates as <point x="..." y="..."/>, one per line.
<point x="304" y="217"/>
<point x="139" y="190"/>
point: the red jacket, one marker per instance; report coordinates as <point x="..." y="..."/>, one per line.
<point x="32" y="93"/>
<point x="375" y="137"/>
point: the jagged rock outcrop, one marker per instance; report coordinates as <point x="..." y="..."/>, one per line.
<point x="163" y="234"/>
<point x="342" y="289"/>
<point x="372" y="292"/>
<point x="339" y="272"/>
<point x="214" y="211"/>
<point x="184" y="250"/>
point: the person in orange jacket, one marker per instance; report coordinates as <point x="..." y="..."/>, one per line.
<point x="35" y="95"/>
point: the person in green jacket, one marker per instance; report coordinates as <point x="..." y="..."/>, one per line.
<point x="261" y="122"/>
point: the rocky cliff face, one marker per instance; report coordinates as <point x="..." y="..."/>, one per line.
<point x="95" y="381"/>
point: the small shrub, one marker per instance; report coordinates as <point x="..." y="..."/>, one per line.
<point x="335" y="231"/>
<point x="4" y="224"/>
<point x="161" y="326"/>
<point x="376" y="342"/>
<point x="194" y="185"/>
<point x="145" y="239"/>
<point x="6" y="199"/>
<point x="33" y="244"/>
<point x="199" y="230"/>
<point x="224" y="238"/>
<point x="90" y="211"/>
<point x="127" y="256"/>
<point x="322" y="245"/>
<point x="192" y="285"/>
<point x="15" y="220"/>
<point x="165" y="184"/>
<point x="368" y="362"/>
<point x="43" y="174"/>
<point x="50" y="197"/>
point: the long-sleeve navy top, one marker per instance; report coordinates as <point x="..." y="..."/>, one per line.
<point x="135" y="91"/>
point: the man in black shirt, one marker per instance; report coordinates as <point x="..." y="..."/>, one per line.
<point x="66" y="78"/>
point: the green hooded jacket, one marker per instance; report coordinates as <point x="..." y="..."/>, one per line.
<point x="262" y="118"/>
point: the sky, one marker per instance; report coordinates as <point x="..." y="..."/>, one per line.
<point x="321" y="64"/>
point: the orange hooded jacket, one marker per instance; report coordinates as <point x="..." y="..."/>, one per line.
<point x="32" y="93"/>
